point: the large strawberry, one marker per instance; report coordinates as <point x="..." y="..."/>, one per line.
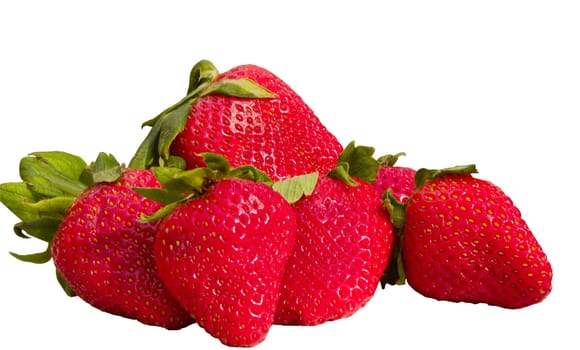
<point x="465" y="240"/>
<point x="248" y="115"/>
<point x="90" y="219"/>
<point x="222" y="248"/>
<point x="342" y="246"/>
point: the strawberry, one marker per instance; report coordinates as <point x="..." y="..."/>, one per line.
<point x="400" y="180"/>
<point x="222" y="249"/>
<point x="342" y="245"/>
<point x="101" y="252"/>
<point x="464" y="240"/>
<point x="396" y="182"/>
<point x="248" y="115"/>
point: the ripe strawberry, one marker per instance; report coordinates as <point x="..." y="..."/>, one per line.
<point x="101" y="252"/>
<point x="248" y="115"/>
<point x="342" y="246"/>
<point x="465" y="240"/>
<point x="222" y="252"/>
<point x="400" y="180"/>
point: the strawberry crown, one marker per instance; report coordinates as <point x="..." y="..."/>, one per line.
<point x="179" y="185"/>
<point x="390" y="159"/>
<point x="154" y="150"/>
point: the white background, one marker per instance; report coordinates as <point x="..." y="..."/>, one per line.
<point x="494" y="83"/>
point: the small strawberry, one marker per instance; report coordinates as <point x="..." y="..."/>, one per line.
<point x="222" y="249"/>
<point x="464" y="240"/>
<point x="342" y="246"/>
<point x="400" y="180"/>
<point x="399" y="183"/>
<point x="101" y="252"/>
<point x="248" y="115"/>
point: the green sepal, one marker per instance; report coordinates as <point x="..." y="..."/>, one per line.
<point x="106" y="169"/>
<point x="54" y="207"/>
<point x="181" y="185"/>
<point x="203" y="72"/>
<point x="243" y="88"/>
<point x="52" y="174"/>
<point x="356" y="161"/>
<point x="16" y="196"/>
<point x="203" y="81"/>
<point x="390" y="159"/>
<point x="342" y="172"/>
<point x="424" y="175"/>
<point x="43" y="229"/>
<point x="294" y="188"/>
<point x="36" y="258"/>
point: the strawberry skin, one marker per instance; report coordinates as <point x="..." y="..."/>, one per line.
<point x="281" y="136"/>
<point x="465" y="241"/>
<point x="106" y="255"/>
<point x="223" y="256"/>
<point x="400" y="180"/>
<point x="342" y="247"/>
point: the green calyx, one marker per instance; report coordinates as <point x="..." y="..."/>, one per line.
<point x="50" y="183"/>
<point x="423" y="175"/>
<point x="390" y="159"/>
<point x="203" y="81"/>
<point x="179" y="185"/>
<point x="356" y="161"/>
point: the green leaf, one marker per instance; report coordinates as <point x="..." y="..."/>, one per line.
<point x="203" y="72"/>
<point x="341" y="172"/>
<point x="296" y="187"/>
<point x="161" y="213"/>
<point x="251" y="173"/>
<point x="50" y="177"/>
<point x="244" y="88"/>
<point x="15" y="196"/>
<point x="36" y="258"/>
<point x="68" y="164"/>
<point x="424" y="175"/>
<point x="361" y="161"/>
<point x="390" y="159"/>
<point x="105" y="169"/>
<point x="56" y="206"/>
<point x="43" y="229"/>
<point x="216" y="162"/>
<point x="160" y="195"/>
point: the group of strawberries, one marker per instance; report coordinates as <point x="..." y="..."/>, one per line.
<point x="240" y="210"/>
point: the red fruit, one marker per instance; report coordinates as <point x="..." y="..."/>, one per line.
<point x="342" y="248"/>
<point x="269" y="127"/>
<point x="465" y="240"/>
<point x="223" y="253"/>
<point x="106" y="255"/>
<point x="400" y="180"/>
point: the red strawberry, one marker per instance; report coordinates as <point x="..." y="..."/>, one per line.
<point x="222" y="253"/>
<point x="400" y="180"/>
<point x="101" y="252"/>
<point x="248" y="115"/>
<point x="342" y="246"/>
<point x="465" y="240"/>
